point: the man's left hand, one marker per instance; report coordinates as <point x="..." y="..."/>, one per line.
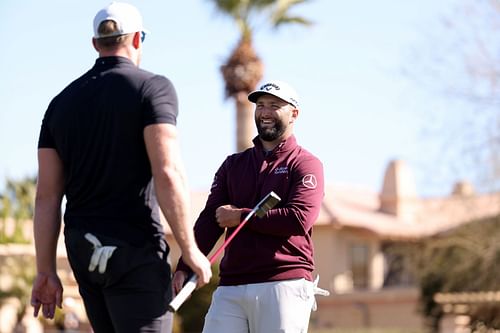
<point x="228" y="216"/>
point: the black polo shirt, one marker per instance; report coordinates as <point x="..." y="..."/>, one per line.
<point x="96" y="125"/>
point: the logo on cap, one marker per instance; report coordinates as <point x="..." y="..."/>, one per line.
<point x="270" y="86"/>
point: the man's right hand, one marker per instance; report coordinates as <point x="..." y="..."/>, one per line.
<point x="199" y="264"/>
<point x="46" y="294"/>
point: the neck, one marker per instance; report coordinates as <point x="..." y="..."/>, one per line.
<point x="270" y="145"/>
<point x="130" y="50"/>
<point x="122" y="52"/>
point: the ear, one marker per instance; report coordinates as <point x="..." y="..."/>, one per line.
<point x="136" y="41"/>
<point x="94" y="42"/>
<point x="295" y="114"/>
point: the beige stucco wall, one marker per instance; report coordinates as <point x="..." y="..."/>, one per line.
<point x="346" y="307"/>
<point x="395" y="308"/>
<point x="333" y="262"/>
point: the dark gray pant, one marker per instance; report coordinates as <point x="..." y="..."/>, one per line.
<point x="132" y="295"/>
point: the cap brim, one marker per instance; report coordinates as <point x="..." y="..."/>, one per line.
<point x="254" y="95"/>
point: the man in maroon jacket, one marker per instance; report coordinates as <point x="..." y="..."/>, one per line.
<point x="266" y="282"/>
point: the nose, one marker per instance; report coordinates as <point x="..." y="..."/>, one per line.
<point x="266" y="110"/>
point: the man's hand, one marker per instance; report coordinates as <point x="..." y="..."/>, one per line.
<point x="200" y="265"/>
<point x="46" y="293"/>
<point x="228" y="216"/>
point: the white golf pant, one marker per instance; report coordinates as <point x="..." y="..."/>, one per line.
<point x="271" y="307"/>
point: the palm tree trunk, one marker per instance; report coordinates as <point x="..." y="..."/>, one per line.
<point x="245" y="124"/>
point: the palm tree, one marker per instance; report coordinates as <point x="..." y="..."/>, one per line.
<point x="17" y="202"/>
<point x="243" y="70"/>
<point x="23" y="195"/>
<point x="5" y="213"/>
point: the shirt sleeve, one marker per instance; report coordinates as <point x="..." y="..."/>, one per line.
<point x="298" y="212"/>
<point x="45" y="138"/>
<point x="160" y="102"/>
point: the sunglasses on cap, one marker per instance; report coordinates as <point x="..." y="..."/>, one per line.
<point x="143" y="36"/>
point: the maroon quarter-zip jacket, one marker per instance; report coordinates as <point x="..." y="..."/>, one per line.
<point x="279" y="245"/>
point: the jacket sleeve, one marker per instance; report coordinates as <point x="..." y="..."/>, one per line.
<point x="206" y="230"/>
<point x="297" y="212"/>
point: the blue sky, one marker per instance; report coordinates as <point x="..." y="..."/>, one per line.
<point x="358" y="110"/>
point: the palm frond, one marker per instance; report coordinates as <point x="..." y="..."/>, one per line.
<point x="227" y="6"/>
<point x="244" y="12"/>
<point x="262" y="4"/>
<point x="281" y="14"/>
<point x="292" y="20"/>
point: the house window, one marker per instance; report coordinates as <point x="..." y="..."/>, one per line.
<point x="359" y="266"/>
<point x="398" y="270"/>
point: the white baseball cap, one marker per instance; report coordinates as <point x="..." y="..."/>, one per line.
<point x="279" y="89"/>
<point x="127" y="18"/>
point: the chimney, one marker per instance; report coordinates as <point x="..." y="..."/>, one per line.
<point x="398" y="191"/>
<point x="463" y="188"/>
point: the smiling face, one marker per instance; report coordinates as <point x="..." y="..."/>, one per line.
<point x="274" y="119"/>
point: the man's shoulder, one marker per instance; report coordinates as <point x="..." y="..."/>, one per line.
<point x="306" y="152"/>
<point x="245" y="154"/>
<point x="304" y="155"/>
<point x="234" y="160"/>
<point x="146" y="75"/>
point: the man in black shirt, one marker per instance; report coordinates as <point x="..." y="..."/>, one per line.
<point x="108" y="142"/>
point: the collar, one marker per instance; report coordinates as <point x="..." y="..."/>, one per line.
<point x="112" y="61"/>
<point x="285" y="145"/>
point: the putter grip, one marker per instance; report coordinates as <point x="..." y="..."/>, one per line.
<point x="181" y="297"/>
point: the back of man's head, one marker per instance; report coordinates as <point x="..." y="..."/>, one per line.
<point x="115" y="22"/>
<point x="109" y="28"/>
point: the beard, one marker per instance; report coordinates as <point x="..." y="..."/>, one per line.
<point x="270" y="133"/>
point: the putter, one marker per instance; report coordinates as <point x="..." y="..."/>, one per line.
<point x="267" y="203"/>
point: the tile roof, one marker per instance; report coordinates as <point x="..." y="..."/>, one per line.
<point x="352" y="207"/>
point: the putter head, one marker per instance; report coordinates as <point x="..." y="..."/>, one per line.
<point x="267" y="203"/>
